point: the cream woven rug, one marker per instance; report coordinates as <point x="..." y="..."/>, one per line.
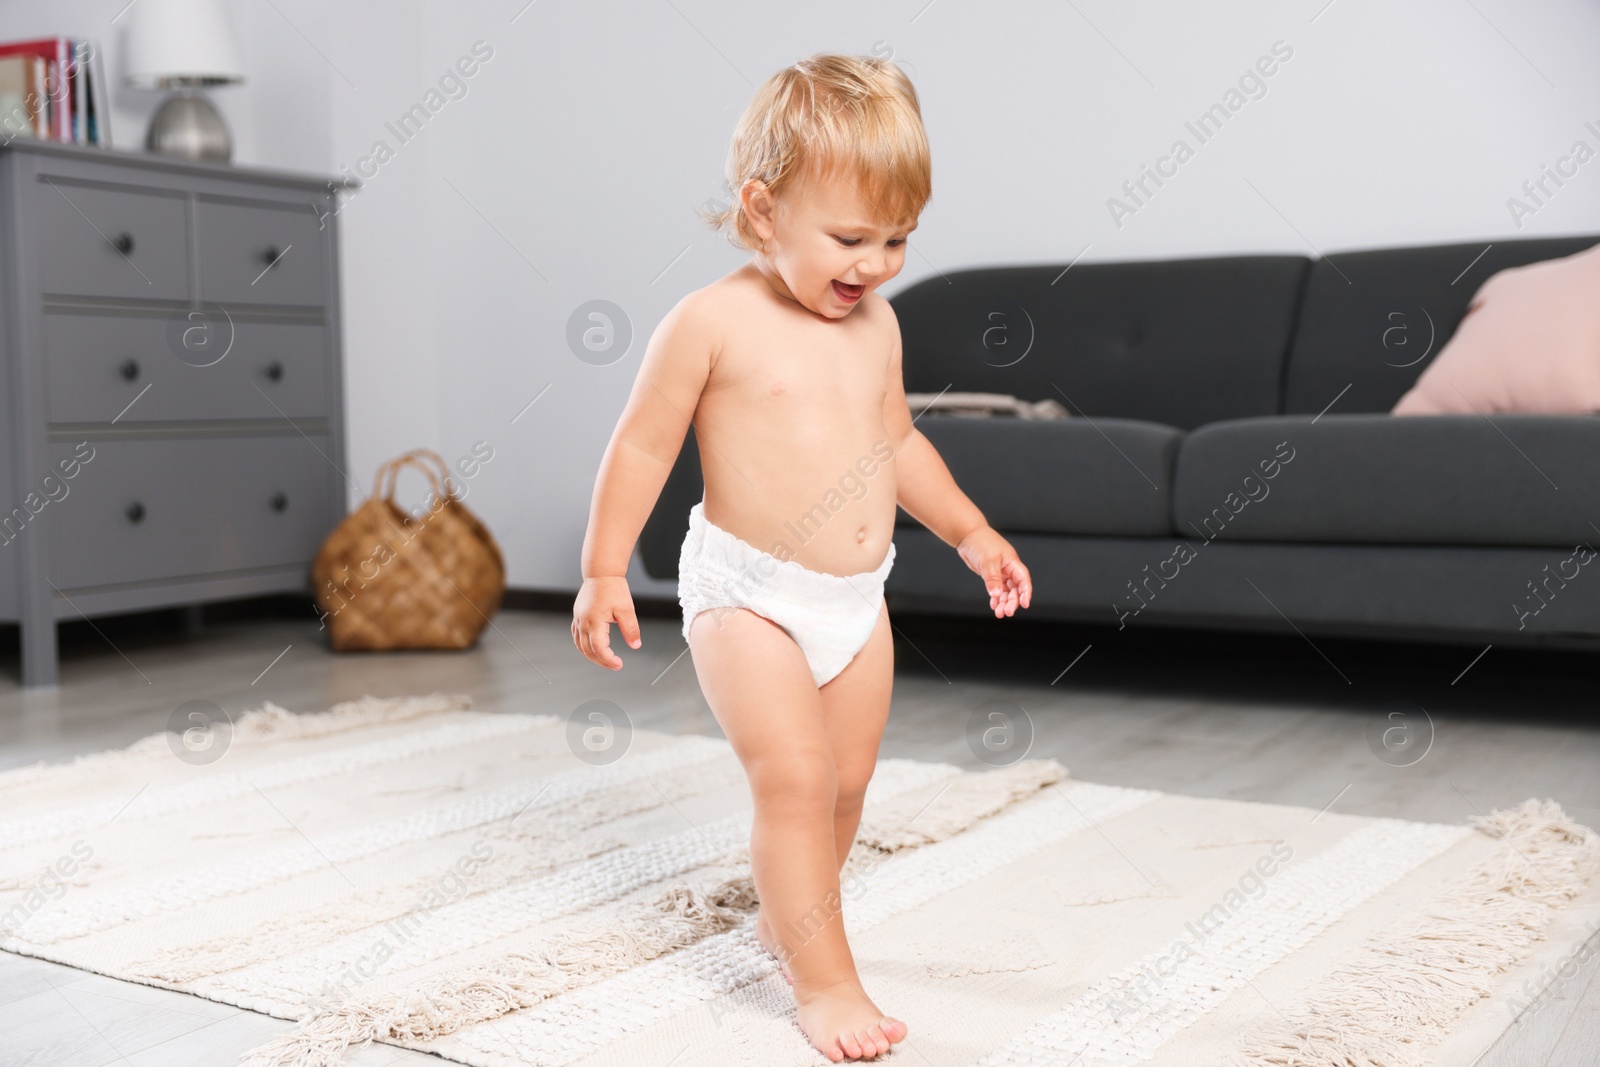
<point x="414" y="872"/>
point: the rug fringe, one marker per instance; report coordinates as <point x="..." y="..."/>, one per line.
<point x="1401" y="993"/>
<point x="915" y="821"/>
<point x="678" y="918"/>
<point x="266" y="723"/>
<point x="272" y="723"/>
<point x="681" y="916"/>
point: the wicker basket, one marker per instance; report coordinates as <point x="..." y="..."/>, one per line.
<point x="385" y="579"/>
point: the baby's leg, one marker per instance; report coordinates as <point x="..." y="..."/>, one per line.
<point x="761" y="691"/>
<point x="855" y="708"/>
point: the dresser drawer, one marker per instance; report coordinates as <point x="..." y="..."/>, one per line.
<point x="170" y="508"/>
<point x="186" y="366"/>
<point x="111" y="242"/>
<point x="263" y="255"/>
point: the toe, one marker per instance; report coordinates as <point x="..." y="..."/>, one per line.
<point x="865" y="1046"/>
<point x="893" y="1029"/>
<point x="871" y="1048"/>
<point x="851" y="1046"/>
<point x="878" y="1039"/>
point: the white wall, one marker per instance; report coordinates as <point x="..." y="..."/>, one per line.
<point x="571" y="169"/>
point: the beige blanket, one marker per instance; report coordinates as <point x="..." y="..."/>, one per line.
<point x="984" y="405"/>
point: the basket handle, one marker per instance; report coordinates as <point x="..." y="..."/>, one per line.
<point x="383" y="471"/>
<point x="389" y="474"/>
<point x="433" y="457"/>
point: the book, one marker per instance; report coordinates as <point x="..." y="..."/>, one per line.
<point x="99" y="104"/>
<point x="64" y="90"/>
<point x="41" y="96"/>
<point x="61" y="92"/>
<point x="85" y="56"/>
<point x="80" y="125"/>
<point x="80" y="98"/>
<point x="16" y="75"/>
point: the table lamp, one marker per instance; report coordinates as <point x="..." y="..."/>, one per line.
<point x="184" y="45"/>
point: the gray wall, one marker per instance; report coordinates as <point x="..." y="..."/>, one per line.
<point x="570" y="169"/>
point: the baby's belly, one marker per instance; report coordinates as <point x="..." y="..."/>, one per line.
<point x="832" y="513"/>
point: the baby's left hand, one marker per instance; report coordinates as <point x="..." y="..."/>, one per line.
<point x="992" y="558"/>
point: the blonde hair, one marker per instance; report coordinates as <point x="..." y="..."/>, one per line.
<point x="854" y="115"/>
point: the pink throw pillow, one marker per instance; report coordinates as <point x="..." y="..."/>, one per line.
<point x="1530" y="342"/>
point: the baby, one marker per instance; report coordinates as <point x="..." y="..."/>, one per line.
<point x="789" y="371"/>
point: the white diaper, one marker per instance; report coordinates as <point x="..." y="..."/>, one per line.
<point x="830" y="616"/>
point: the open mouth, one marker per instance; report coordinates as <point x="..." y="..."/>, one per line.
<point x="849" y="294"/>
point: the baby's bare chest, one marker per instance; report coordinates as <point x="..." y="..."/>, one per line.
<point x="802" y="386"/>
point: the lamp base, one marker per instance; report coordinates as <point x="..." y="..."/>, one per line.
<point x="188" y="126"/>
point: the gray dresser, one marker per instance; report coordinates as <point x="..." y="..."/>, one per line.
<point x="172" y="429"/>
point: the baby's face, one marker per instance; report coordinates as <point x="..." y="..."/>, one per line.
<point x="831" y="247"/>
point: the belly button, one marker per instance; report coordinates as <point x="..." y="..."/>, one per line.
<point x="861" y="535"/>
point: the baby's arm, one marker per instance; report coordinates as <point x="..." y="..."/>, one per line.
<point x="931" y="496"/>
<point x="635" y="466"/>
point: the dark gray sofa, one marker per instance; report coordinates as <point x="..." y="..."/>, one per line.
<point x="1231" y="462"/>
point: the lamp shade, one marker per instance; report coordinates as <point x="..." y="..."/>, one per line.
<point x="181" y="42"/>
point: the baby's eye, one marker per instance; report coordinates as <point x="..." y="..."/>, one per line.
<point x="848" y="242"/>
<point x="896" y="242"/>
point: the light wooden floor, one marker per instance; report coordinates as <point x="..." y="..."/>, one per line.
<point x="1254" y="718"/>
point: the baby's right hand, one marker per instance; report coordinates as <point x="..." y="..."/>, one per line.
<point x="601" y="602"/>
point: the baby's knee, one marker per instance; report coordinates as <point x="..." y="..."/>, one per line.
<point x="796" y="781"/>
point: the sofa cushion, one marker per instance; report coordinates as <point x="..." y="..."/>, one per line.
<point x="1371" y="321"/>
<point x="1078" y="476"/>
<point x="1176" y="342"/>
<point x="1519" y="480"/>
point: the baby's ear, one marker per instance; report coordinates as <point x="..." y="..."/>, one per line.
<point x="760" y="207"/>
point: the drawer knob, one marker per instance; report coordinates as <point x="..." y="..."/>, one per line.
<point x="275" y="371"/>
<point x="123" y="243"/>
<point x="280" y="502"/>
<point x="270" y="254"/>
<point x="129" y="369"/>
<point x="135" y="513"/>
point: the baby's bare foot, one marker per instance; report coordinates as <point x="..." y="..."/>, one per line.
<point x="843" y="1024"/>
<point x="770" y="943"/>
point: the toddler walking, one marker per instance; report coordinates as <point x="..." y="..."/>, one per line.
<point x="789" y="371"/>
